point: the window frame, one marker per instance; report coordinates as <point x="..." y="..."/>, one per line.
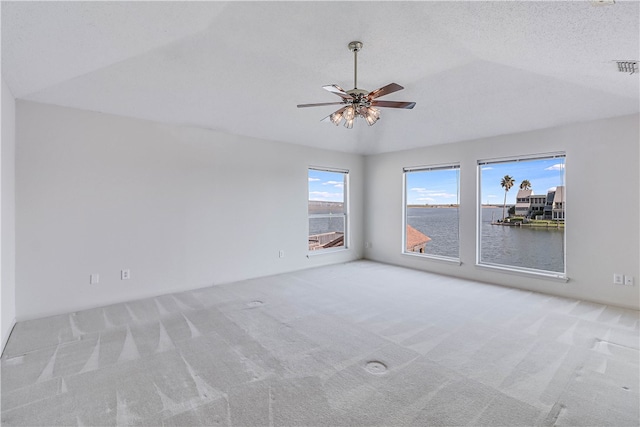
<point x="345" y="214"/>
<point x="526" y="271"/>
<point x="427" y="168"/>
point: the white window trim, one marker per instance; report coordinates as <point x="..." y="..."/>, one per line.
<point x="522" y="271"/>
<point x="345" y="215"/>
<point x="437" y="258"/>
<point x="327" y="251"/>
<point x="403" y="249"/>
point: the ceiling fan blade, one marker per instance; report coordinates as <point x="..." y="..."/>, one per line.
<point x="328" y="118"/>
<point x="393" y="104"/>
<point x="385" y="90"/>
<point x="320" y="104"/>
<point x="338" y="91"/>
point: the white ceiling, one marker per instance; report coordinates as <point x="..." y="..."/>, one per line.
<point x="475" y="69"/>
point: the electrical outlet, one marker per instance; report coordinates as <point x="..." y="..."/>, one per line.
<point x="628" y="280"/>
<point x="125" y="274"/>
<point x="281" y="254"/>
<point x="618" y="279"/>
<point x="94" y="279"/>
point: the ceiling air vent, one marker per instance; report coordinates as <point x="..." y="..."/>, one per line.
<point x="627" y="66"/>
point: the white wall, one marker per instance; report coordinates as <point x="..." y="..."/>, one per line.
<point x="603" y="202"/>
<point x="7" y="223"/>
<point x="181" y="207"/>
<point x="185" y="208"/>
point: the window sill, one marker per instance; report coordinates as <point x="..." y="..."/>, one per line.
<point x="556" y="277"/>
<point x="446" y="260"/>
<point x="326" y="251"/>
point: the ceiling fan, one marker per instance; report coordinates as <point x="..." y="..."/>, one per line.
<point x="359" y="102"/>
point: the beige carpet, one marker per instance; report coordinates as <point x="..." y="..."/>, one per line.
<point x="353" y="344"/>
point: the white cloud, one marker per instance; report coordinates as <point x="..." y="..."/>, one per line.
<point x="556" y="167"/>
<point x="432" y="194"/>
<point x="314" y="179"/>
<point x="425" y="191"/>
<point x="491" y="196"/>
<point x="487" y="168"/>
<point x="425" y="199"/>
<point x="336" y="184"/>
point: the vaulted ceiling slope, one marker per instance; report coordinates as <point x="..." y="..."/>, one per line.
<point x="475" y="69"/>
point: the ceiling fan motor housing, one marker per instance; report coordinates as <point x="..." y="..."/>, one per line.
<point x="360" y="98"/>
<point x="355" y="46"/>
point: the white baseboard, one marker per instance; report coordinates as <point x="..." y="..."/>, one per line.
<point x="7" y="334"/>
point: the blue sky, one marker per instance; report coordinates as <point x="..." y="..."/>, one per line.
<point x="543" y="174"/>
<point x="440" y="186"/>
<point x="326" y="186"/>
<point x="437" y="187"/>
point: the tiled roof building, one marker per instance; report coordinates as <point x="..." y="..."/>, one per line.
<point x="416" y="241"/>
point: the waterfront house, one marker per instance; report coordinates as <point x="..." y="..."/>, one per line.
<point x="558" y="203"/>
<point x="332" y="239"/>
<point x="523" y="204"/>
<point x="549" y="206"/>
<point x="416" y="240"/>
<point x="536" y="205"/>
<point x="555" y="204"/>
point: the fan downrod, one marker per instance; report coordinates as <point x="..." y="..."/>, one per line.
<point x="355" y="47"/>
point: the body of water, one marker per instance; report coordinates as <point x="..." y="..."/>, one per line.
<point x="528" y="247"/>
<point x="321" y="225"/>
<point x="440" y="225"/>
<point x="326" y="225"/>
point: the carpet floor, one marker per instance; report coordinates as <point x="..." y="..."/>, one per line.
<point x="354" y="344"/>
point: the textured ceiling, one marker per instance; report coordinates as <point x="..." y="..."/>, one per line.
<point x="475" y="69"/>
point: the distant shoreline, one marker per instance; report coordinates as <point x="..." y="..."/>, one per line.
<point x="433" y="206"/>
<point x="319" y="204"/>
<point x="452" y="206"/>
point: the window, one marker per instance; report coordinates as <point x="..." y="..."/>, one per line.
<point x="522" y="214"/>
<point x="327" y="209"/>
<point x="431" y="211"/>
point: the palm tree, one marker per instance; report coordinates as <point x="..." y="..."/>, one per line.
<point x="525" y="185"/>
<point x="506" y="182"/>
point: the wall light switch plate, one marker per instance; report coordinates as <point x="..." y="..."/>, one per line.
<point x="618" y="279"/>
<point x="125" y="274"/>
<point x="94" y="279"/>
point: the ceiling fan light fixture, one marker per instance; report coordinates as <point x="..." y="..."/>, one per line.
<point x="348" y="123"/>
<point x="370" y="121"/>
<point x="372" y="116"/>
<point x="336" y="117"/>
<point x="349" y="114"/>
<point x="359" y="102"/>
